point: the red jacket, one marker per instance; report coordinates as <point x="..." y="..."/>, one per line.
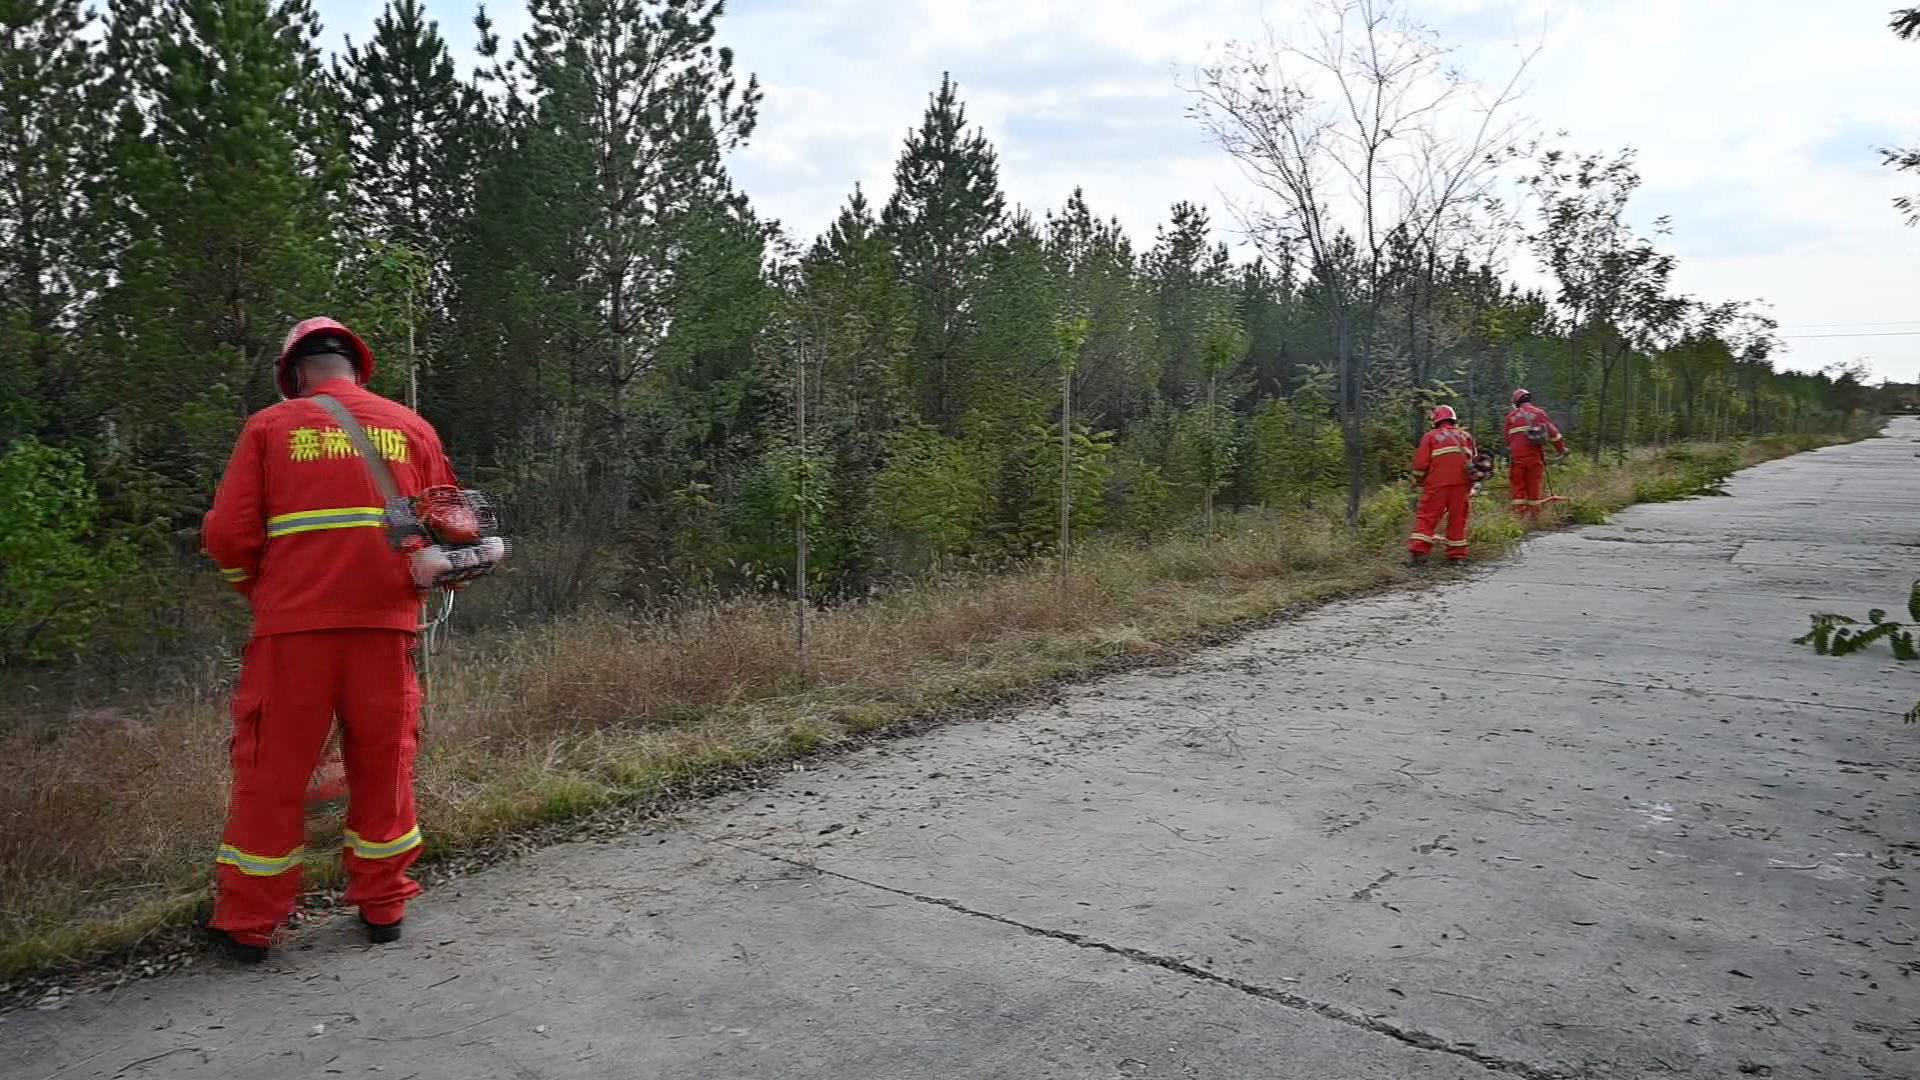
<point x="297" y="525"/>
<point x="1443" y="457"/>
<point x="1523" y="417"/>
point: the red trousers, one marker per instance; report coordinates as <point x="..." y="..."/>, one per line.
<point x="291" y="689"/>
<point x="1449" y="502"/>
<point x="1528" y="479"/>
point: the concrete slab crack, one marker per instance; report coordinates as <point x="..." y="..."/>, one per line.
<point x="1338" y="1014"/>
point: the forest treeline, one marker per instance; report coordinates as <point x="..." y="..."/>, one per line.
<point x="550" y="258"/>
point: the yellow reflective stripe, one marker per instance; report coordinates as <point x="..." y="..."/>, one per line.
<point x="259" y="865"/>
<point x="1456" y="543"/>
<point x="1424" y="536"/>
<point x="370" y="523"/>
<point x="367" y="849"/>
<point x="234" y="574"/>
<point x="303" y="515"/>
<point x="1448" y="450"/>
<point x="341" y="517"/>
<point x="1518" y="430"/>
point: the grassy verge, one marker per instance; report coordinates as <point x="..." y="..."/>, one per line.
<point x="106" y="824"/>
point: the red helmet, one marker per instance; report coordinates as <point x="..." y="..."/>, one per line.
<point x="1444" y="413"/>
<point x="284" y="375"/>
<point x="1520" y="396"/>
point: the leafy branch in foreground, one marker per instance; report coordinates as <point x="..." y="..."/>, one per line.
<point x="1835" y="635"/>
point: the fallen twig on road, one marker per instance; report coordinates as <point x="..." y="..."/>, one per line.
<point x="450" y="1031"/>
<point x="1469" y="997"/>
<point x="151" y="1058"/>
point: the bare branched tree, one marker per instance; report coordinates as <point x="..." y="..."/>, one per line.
<point x="1364" y="137"/>
<point x="1906" y="26"/>
<point x="1613" y="282"/>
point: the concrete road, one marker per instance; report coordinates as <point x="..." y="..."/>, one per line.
<point x="1584" y="813"/>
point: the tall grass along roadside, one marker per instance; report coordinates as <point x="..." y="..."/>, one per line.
<point x="107" y="819"/>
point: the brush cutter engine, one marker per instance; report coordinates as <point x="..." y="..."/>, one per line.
<point x="1481" y="468"/>
<point x="451" y="534"/>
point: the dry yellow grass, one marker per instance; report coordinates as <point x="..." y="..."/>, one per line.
<point x="106" y="825"/>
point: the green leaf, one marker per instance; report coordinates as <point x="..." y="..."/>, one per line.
<point x="1903" y="646"/>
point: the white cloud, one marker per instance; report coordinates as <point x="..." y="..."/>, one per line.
<point x="1755" y="119"/>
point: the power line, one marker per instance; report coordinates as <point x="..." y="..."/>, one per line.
<point x="1882" y="333"/>
<point x="1861" y="322"/>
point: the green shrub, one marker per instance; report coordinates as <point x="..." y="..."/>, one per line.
<point x="1838" y="635"/>
<point x="56" y="574"/>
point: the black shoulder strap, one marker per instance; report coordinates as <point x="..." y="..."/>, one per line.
<point x="377" y="468"/>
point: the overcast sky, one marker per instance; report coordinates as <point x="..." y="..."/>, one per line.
<point x="1756" y="121"/>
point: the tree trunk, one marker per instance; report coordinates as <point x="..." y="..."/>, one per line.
<point x="1573" y="380"/>
<point x="413" y="366"/>
<point x="1213" y="462"/>
<point x="1606" y="380"/>
<point x="1350" y="438"/>
<point x="1066" y="472"/>
<point x="800" y="515"/>
<point x="1473" y="395"/>
<point x="1626" y="391"/>
<point x="1415" y="370"/>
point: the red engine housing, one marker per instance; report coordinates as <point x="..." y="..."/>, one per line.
<point x="448" y="515"/>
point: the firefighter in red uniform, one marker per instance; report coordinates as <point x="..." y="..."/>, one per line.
<point x="1441" y="469"/>
<point x="1529" y="430"/>
<point x="298" y="528"/>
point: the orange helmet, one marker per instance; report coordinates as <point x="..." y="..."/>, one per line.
<point x="362" y="356"/>
<point x="1521" y="395"/>
<point x="1444" y="413"/>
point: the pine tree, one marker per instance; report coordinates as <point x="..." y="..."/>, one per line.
<point x="410" y="124"/>
<point x="521" y="322"/>
<point x="52" y="121"/>
<point x="653" y="105"/>
<point x="1011" y="392"/>
<point x="413" y="127"/>
<point x="1012" y="377"/>
<point x="1115" y="375"/>
<point x="233" y="173"/>
<point x="862" y="316"/>
<point x="858" y="318"/>
<point x="1183" y="271"/>
<point x="944" y="215"/>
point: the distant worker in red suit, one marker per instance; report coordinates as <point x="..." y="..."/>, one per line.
<point x="298" y="528"/>
<point x="1529" y="431"/>
<point x="1443" y="471"/>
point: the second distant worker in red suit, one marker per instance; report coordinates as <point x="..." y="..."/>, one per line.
<point x="1529" y="432"/>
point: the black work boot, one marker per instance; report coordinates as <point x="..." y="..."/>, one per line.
<point x="382" y="933"/>
<point x="224" y="944"/>
<point x="1416" y="559"/>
